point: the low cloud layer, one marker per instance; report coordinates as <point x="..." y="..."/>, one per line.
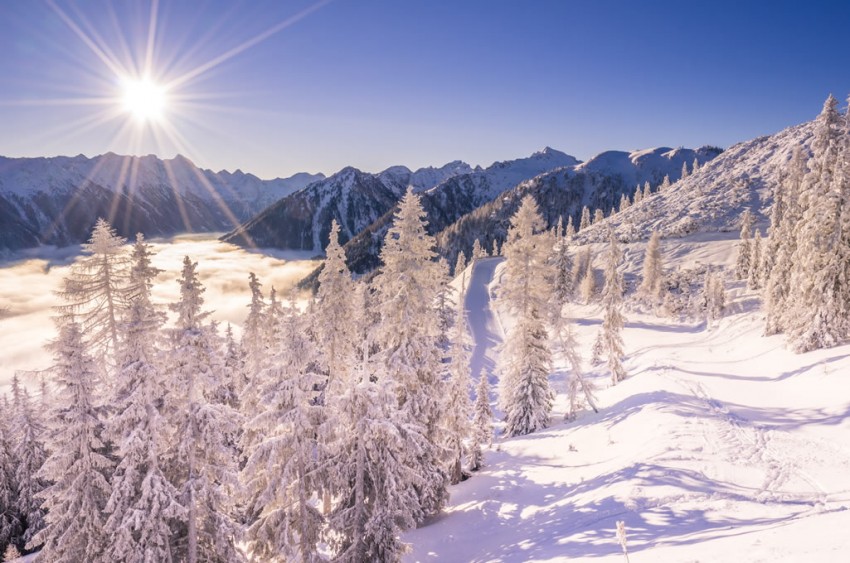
<point x="29" y="280"/>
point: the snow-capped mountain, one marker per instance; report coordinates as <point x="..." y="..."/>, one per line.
<point x="713" y="199"/>
<point x="598" y="183"/>
<point x="56" y="200"/>
<point x="354" y="198"/>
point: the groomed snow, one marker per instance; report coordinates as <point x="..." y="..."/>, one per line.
<point x="720" y="446"/>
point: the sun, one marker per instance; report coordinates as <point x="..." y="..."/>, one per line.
<point x="143" y="99"/>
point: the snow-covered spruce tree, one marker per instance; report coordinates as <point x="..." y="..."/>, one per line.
<point x="612" y="322"/>
<point x="819" y="279"/>
<point x="255" y="329"/>
<point x="460" y="265"/>
<point x="96" y="288"/>
<point x="203" y="468"/>
<point x="281" y="474"/>
<point x="756" y="273"/>
<point x="482" y="423"/>
<point x="598" y="216"/>
<point x="271" y="327"/>
<point x="478" y="250"/>
<point x="638" y="196"/>
<point x="625" y="202"/>
<point x="585" y="219"/>
<point x="652" y="282"/>
<point x="525" y="359"/>
<point x="445" y="309"/>
<point x="784" y="221"/>
<point x="235" y="378"/>
<point x="495" y="251"/>
<point x="562" y="263"/>
<point x="714" y="295"/>
<point x="77" y="467"/>
<point x="570" y="230"/>
<point x="684" y="171"/>
<point x="742" y="267"/>
<point x="334" y="313"/>
<point x="588" y="280"/>
<point x="9" y="524"/>
<point x="456" y="427"/>
<point x="695" y="166"/>
<point x="143" y="505"/>
<point x="407" y="334"/>
<point x="29" y="454"/>
<point x="665" y="185"/>
<point x="373" y="461"/>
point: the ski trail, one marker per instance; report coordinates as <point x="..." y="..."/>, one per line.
<point x="485" y="328"/>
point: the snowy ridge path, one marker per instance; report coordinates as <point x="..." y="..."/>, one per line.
<point x="486" y="330"/>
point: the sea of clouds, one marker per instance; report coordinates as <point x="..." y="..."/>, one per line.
<point x="29" y="280"/>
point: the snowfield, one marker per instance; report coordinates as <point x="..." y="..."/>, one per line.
<point x="720" y="446"/>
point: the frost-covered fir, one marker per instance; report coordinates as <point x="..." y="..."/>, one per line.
<point x="742" y="266"/>
<point x="652" y="279"/>
<point x="9" y="525"/>
<point x="585" y="219"/>
<point x="457" y="386"/>
<point x="78" y="468"/>
<point x="612" y="322"/>
<point x="525" y="360"/>
<point x="482" y="423"/>
<point x="756" y="273"/>
<point x="598" y="216"/>
<point x="588" y="280"/>
<point x="29" y="454"/>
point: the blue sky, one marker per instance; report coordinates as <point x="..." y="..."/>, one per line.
<point x="372" y="83"/>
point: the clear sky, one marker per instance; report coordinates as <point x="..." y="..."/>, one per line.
<point x="276" y="87"/>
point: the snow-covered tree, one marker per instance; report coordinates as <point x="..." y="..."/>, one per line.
<point x="585" y="219"/>
<point x="569" y="230"/>
<point x="820" y="288"/>
<point x="588" y="280"/>
<point x="143" y="505"/>
<point x="9" y="524"/>
<point x="477" y="250"/>
<point x="96" y="288"/>
<point x="77" y="469"/>
<point x="254" y="329"/>
<point x="496" y="251"/>
<point x="684" y="170"/>
<point x="638" y="196"/>
<point x="598" y="216"/>
<point x="482" y="423"/>
<point x="782" y="244"/>
<point x="612" y="322"/>
<point x="756" y="273"/>
<point x="744" y="262"/>
<point x="525" y="360"/>
<point x="281" y="474"/>
<point x="625" y="202"/>
<point x="204" y="468"/>
<point x="460" y="265"/>
<point x="714" y="295"/>
<point x="562" y="263"/>
<point x="29" y="454"/>
<point x="407" y="335"/>
<point x="652" y="280"/>
<point x="665" y="185"/>
<point x="334" y="313"/>
<point x="11" y="553"/>
<point x="457" y="411"/>
<point x="695" y="166"/>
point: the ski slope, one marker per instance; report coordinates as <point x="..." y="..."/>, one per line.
<point x="720" y="446"/>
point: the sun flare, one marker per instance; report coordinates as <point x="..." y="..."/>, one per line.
<point x="144" y="99"/>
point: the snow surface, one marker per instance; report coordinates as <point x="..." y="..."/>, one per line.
<point x="720" y="446"/>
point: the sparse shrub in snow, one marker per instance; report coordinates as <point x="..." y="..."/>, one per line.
<point x="525" y="360"/>
<point x="621" y="538"/>
<point x="482" y="423"/>
<point x="682" y="297"/>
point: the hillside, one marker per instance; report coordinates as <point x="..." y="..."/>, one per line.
<point x="57" y="200"/>
<point x="720" y="446"/>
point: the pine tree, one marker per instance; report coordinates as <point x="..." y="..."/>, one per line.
<point x="638" y="197"/>
<point x="206" y="432"/>
<point x="588" y="281"/>
<point x="756" y="272"/>
<point x="819" y="279"/>
<point x="96" y="288"/>
<point x="695" y="166"/>
<point x="9" y="524"/>
<point x="684" y="171"/>
<point x="254" y="329"/>
<point x="570" y="231"/>
<point x="525" y="360"/>
<point x="478" y="251"/>
<point x="625" y="202"/>
<point x="785" y="216"/>
<point x="482" y="423"/>
<point x="77" y="468"/>
<point x="407" y="335"/>
<point x="665" y="185"/>
<point x="29" y="453"/>
<point x="281" y="473"/>
<point x="652" y="282"/>
<point x="496" y="251"/>
<point x="612" y="323"/>
<point x="714" y="295"/>
<point x="460" y="265"/>
<point x="458" y="407"/>
<point x="585" y="219"/>
<point x="563" y="268"/>
<point x="568" y="346"/>
<point x="143" y="505"/>
<point x="743" y="264"/>
<point x="598" y="216"/>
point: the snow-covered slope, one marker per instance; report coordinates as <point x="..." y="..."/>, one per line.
<point x="713" y="199"/>
<point x="56" y="200"/>
<point x="720" y="446"/>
